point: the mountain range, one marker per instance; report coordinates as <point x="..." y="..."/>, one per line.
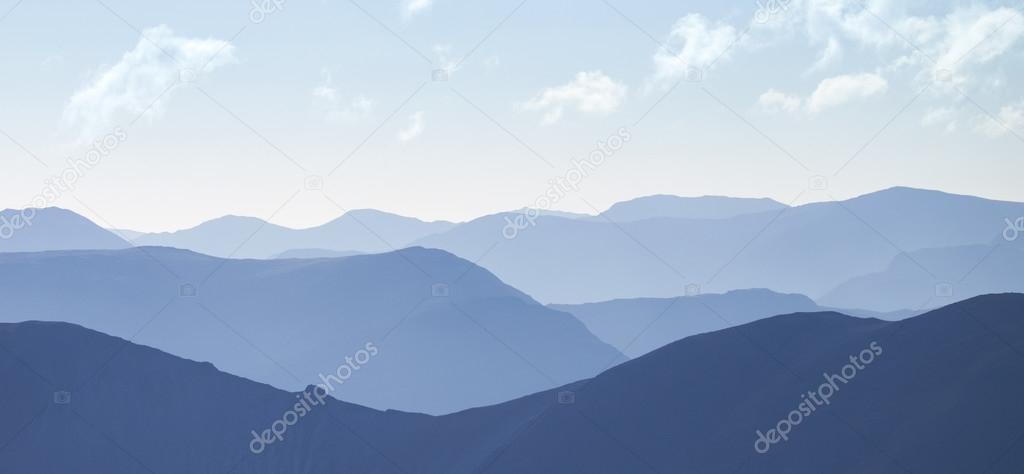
<point x="883" y="251"/>
<point x="36" y="230"/>
<point x="809" y="249"/>
<point x="449" y="334"/>
<point x="936" y="393"/>
<point x="363" y="231"/>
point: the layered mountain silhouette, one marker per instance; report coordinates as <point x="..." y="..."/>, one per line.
<point x="640" y="325"/>
<point x="637" y="326"/>
<point x="940" y="395"/>
<point x="362" y="231"/>
<point x="34" y="230"/>
<point x="449" y="334"/>
<point x="704" y="207"/>
<point x="316" y="253"/>
<point x="809" y="249"/>
<point x="934" y="277"/>
<point x="648" y="247"/>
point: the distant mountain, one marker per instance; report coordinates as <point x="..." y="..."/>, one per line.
<point x="550" y="212"/>
<point x="127" y="234"/>
<point x="935" y="277"/>
<point x="450" y="335"/>
<point x="696" y="405"/>
<point x="52" y="228"/>
<point x="640" y="325"/>
<point x="363" y="231"/>
<point x="809" y="249"/>
<point x="316" y="253"/>
<point x="704" y="207"/>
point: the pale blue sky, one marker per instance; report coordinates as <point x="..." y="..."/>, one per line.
<point x="311" y="82"/>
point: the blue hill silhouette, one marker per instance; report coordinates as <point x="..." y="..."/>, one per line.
<point x="915" y="280"/>
<point x="808" y="249"/>
<point x="52" y="228"/>
<point x="704" y="207"/>
<point x="363" y="231"/>
<point x="640" y="325"/>
<point x="450" y="335"/>
<point x="948" y="378"/>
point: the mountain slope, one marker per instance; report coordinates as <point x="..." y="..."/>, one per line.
<point x="449" y="334"/>
<point x="704" y="207"/>
<point x="52" y="228"/>
<point x="940" y="395"/>
<point x="967" y="270"/>
<point x="363" y="231"/>
<point x="641" y="325"/>
<point x="808" y="249"/>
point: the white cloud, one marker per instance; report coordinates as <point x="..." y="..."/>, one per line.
<point x="694" y="43"/>
<point x="839" y="90"/>
<point x="1010" y="116"/>
<point x="775" y="101"/>
<point x="411" y="8"/>
<point x="142" y="80"/>
<point x="589" y="92"/>
<point x="328" y="99"/>
<point x="414" y="129"/>
<point x="945" y="116"/>
<point x="955" y="42"/>
<point x="445" y="60"/>
<point x="833" y="52"/>
<point x="975" y="36"/>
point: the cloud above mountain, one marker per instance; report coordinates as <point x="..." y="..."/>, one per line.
<point x="142" y="82"/>
<point x="590" y="92"/>
<point x="694" y="43"/>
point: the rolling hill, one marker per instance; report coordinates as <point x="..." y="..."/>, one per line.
<point x="449" y="334"/>
<point x="937" y="393"/>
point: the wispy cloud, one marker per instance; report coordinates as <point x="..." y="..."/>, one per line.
<point x="330" y="100"/>
<point x="1010" y="118"/>
<point x="695" y="42"/>
<point x="940" y="116"/>
<point x="411" y="8"/>
<point x="829" y="56"/>
<point x="414" y="129"/>
<point x="589" y="92"/>
<point x="831" y="92"/>
<point x="839" y="90"/>
<point x="775" y="101"/>
<point x="142" y="80"/>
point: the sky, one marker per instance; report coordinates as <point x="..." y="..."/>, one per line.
<point x="156" y="116"/>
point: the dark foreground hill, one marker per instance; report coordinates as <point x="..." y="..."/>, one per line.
<point x="937" y="393"/>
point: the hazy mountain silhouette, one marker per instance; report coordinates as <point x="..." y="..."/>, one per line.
<point x="941" y="396"/>
<point x="704" y="207"/>
<point x="127" y="234"/>
<point x="52" y="228"/>
<point x="640" y="325"/>
<point x="363" y="231"/>
<point x="285" y="322"/>
<point x="316" y="253"/>
<point x="916" y="280"/>
<point x="809" y="249"/>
